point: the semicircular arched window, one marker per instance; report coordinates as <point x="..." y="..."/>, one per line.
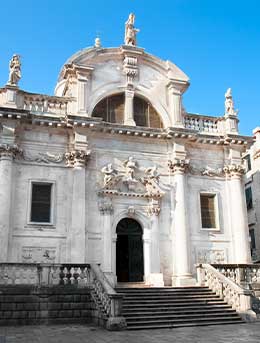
<point x="111" y="109"/>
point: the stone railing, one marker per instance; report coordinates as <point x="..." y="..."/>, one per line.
<point x="203" y="124"/>
<point x="239" y="298"/>
<point x="107" y="301"/>
<point x="45" y="104"/>
<point x="242" y="274"/>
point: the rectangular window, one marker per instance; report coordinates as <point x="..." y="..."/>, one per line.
<point x="248" y="162"/>
<point x="249" y="198"/>
<point x="208" y="211"/>
<point x="41" y="203"/>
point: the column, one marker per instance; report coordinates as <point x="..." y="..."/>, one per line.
<point x="238" y="214"/>
<point x="155" y="278"/>
<point x="5" y="202"/>
<point x="175" y="103"/>
<point x="129" y="108"/>
<point x="182" y="273"/>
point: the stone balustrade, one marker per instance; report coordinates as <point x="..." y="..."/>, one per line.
<point x="239" y="298"/>
<point x="45" y="104"/>
<point x="107" y="301"/>
<point x="241" y="274"/>
<point x="203" y="124"/>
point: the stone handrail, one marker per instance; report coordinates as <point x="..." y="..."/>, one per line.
<point x="37" y="103"/>
<point x="203" y="124"/>
<point x="242" y="274"/>
<point x="236" y="296"/>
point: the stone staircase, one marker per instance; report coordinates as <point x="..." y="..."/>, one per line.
<point x="152" y="308"/>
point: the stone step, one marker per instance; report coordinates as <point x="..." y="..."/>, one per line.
<point x="162" y="289"/>
<point x="169" y="297"/>
<point x="170" y="301"/>
<point x="176" y="325"/>
<point x="144" y="312"/>
<point x="171" y="307"/>
<point x="176" y="321"/>
<point x="179" y="303"/>
<point x="173" y="317"/>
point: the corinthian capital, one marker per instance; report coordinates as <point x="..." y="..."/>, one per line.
<point x="178" y="166"/>
<point x="10" y="150"/>
<point x="234" y="170"/>
<point x="77" y="158"/>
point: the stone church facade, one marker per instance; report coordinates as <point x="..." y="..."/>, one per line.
<point x="113" y="170"/>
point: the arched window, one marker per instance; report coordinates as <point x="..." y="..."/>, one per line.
<point x="111" y="109"/>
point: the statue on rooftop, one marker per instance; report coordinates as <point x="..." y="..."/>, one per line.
<point x="229" y="103"/>
<point x="14" y="70"/>
<point x="130" y="30"/>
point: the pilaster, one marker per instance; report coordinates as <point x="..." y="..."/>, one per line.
<point x="175" y="104"/>
<point x="129" y="108"/>
<point x="234" y="174"/>
<point x="83" y="79"/>
<point x="77" y="159"/>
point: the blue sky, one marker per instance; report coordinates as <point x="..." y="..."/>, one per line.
<point x="216" y="43"/>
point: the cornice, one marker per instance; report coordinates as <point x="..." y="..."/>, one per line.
<point x="97" y="125"/>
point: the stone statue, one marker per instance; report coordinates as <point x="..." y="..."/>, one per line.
<point x="130" y="166"/>
<point x="130" y="31"/>
<point x="14" y="70"/>
<point x="229" y="103"/>
<point x="109" y="174"/>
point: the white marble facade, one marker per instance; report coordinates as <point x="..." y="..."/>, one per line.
<point x="103" y="172"/>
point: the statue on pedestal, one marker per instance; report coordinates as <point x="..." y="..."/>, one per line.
<point x="130" y="31"/>
<point x="14" y="71"/>
<point x="229" y="103"/>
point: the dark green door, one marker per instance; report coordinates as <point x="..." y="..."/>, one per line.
<point x="129" y="251"/>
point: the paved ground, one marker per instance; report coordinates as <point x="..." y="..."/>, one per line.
<point x="248" y="333"/>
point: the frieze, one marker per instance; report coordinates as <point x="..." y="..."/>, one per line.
<point x="208" y="171"/>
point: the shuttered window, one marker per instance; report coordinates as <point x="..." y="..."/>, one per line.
<point x="208" y="210"/>
<point x="41" y="203"/>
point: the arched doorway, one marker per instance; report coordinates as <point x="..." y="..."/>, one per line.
<point x="129" y="251"/>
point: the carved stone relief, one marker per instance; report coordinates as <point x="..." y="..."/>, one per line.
<point x="44" y="157"/>
<point x="211" y="256"/>
<point x="38" y="254"/>
<point x="130" y="177"/>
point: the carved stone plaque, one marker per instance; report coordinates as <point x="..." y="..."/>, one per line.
<point x="38" y="254"/>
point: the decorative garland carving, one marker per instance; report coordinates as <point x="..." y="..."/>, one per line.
<point x="45" y="157"/>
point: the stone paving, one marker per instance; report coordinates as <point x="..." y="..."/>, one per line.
<point x="249" y="333"/>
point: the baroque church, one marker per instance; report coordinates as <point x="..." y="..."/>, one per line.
<point x="111" y="169"/>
